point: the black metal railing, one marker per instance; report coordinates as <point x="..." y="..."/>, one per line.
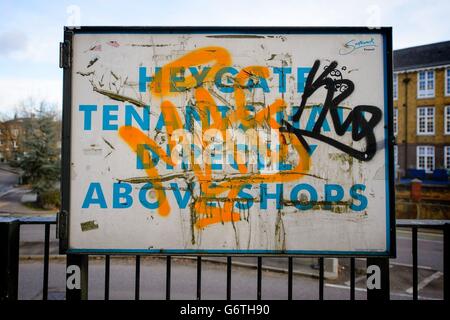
<point x="10" y="257"/>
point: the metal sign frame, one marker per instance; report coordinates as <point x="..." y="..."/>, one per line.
<point x="66" y="65"/>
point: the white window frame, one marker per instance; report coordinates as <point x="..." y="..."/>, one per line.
<point x="426" y="155"/>
<point x="396" y="166"/>
<point x="427" y="93"/>
<point x="395" y="121"/>
<point x="395" y="156"/>
<point x="447" y="81"/>
<point x="426" y="133"/>
<point x="395" y="86"/>
<point x="447" y="157"/>
<point x="446" y="120"/>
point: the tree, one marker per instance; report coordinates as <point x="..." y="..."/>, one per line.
<point x="40" y="158"/>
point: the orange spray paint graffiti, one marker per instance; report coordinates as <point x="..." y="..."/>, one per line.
<point x="226" y="191"/>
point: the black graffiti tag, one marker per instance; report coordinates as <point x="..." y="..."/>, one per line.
<point x="361" y="128"/>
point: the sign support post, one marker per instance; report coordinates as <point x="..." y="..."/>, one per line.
<point x="77" y="275"/>
<point x="378" y="279"/>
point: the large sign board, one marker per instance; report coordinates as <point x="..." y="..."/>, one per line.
<point x="228" y="141"/>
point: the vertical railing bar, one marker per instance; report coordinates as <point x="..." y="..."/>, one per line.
<point x="352" y="278"/>
<point x="46" y="261"/>
<point x="107" y="262"/>
<point x="168" y="276"/>
<point x="199" y="278"/>
<point x="228" y="278"/>
<point x="137" y="284"/>
<point x="321" y="278"/>
<point x="414" y="253"/>
<point x="259" y="280"/>
<point x="9" y="260"/>
<point x="290" y="278"/>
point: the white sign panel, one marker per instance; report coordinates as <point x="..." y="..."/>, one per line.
<point x="229" y="141"/>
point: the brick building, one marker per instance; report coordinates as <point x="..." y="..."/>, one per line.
<point x="422" y="108"/>
<point x="11" y="135"/>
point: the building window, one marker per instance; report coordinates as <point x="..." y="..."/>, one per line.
<point x="425" y="158"/>
<point x="395" y="85"/>
<point x="447" y="157"/>
<point x="425" y="120"/>
<point x="395" y="121"/>
<point x="447" y="120"/>
<point x="396" y="166"/>
<point x="425" y="84"/>
<point x="447" y="82"/>
<point x="395" y="157"/>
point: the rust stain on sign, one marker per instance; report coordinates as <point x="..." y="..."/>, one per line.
<point x="89" y="225"/>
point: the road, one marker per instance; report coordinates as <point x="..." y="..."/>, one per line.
<point x="7" y="180"/>
<point x="11" y="195"/>
<point x="429" y="250"/>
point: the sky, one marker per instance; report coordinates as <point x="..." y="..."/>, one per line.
<point x="30" y="31"/>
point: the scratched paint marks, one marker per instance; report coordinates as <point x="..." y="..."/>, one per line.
<point x="204" y="100"/>
<point x="255" y="228"/>
<point x="108" y="81"/>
